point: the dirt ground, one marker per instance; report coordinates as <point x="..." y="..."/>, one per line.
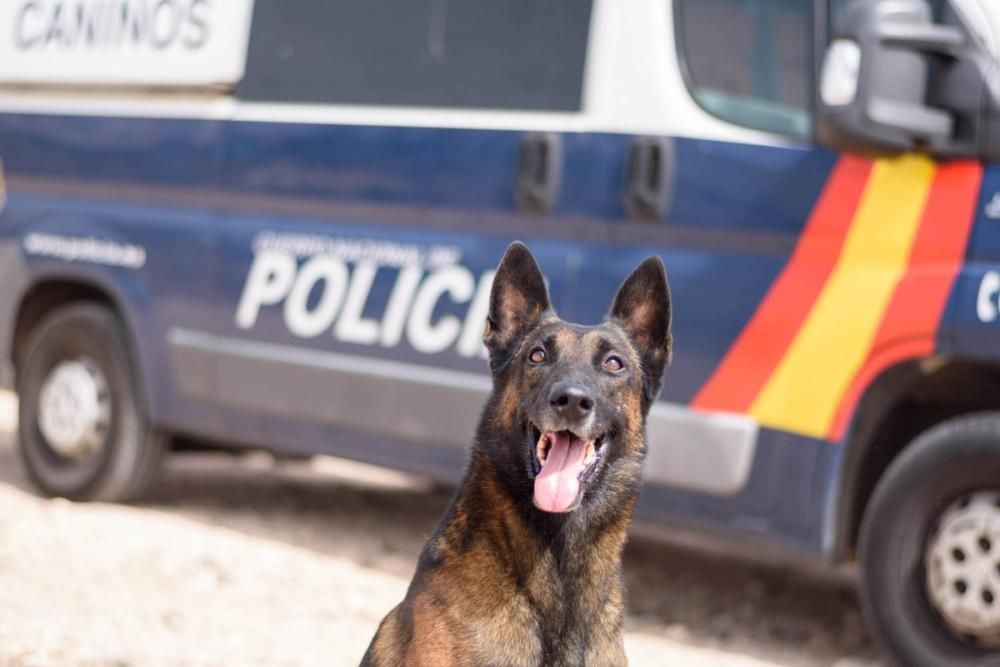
<point x="242" y="561"/>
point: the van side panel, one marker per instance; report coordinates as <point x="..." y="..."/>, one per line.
<point x="219" y="195"/>
<point x="415" y="219"/>
<point x="450" y="193"/>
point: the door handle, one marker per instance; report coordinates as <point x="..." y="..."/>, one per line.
<point x="539" y="172"/>
<point x="650" y="171"/>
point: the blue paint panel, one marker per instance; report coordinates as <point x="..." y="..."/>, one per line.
<point x="455" y="168"/>
<point x="748" y="188"/>
<point x="594" y="173"/>
<point x="458" y="169"/>
<point x="984" y="242"/>
<point x="964" y="333"/>
<point x="114" y="150"/>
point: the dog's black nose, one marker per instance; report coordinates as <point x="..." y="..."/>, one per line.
<point x="571" y="401"/>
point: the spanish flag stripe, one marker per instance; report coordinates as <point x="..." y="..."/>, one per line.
<point x="910" y="325"/>
<point x="804" y="391"/>
<point x="761" y="344"/>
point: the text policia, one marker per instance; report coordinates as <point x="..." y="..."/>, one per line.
<point x="325" y="285"/>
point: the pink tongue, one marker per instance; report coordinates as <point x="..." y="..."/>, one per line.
<point x="558" y="484"/>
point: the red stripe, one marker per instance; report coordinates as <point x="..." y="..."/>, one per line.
<point x="910" y="323"/>
<point x="760" y="346"/>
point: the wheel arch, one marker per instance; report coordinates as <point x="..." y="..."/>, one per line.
<point x="57" y="289"/>
<point x="903" y="401"/>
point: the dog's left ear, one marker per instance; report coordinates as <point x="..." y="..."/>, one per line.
<point x="642" y="305"/>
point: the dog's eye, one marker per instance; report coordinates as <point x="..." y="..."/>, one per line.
<point x="613" y="364"/>
<point x="537" y="355"/>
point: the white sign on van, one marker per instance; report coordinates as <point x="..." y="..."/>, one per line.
<point x="124" y="42"/>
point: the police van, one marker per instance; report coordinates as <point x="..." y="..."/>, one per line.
<point x="273" y="225"/>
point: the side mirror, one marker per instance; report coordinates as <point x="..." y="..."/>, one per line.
<point x="892" y="80"/>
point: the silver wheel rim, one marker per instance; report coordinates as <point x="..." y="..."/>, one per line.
<point x="963" y="567"/>
<point x="74" y="409"/>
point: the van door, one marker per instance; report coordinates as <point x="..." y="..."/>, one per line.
<point x="751" y="225"/>
<point x="800" y="274"/>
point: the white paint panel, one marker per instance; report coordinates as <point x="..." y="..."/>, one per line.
<point x="124" y="42"/>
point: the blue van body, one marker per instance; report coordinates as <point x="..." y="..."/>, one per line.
<point x="195" y="194"/>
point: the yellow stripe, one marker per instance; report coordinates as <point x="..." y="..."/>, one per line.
<point x="804" y="390"/>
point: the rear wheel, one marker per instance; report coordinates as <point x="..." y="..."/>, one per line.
<point x="930" y="548"/>
<point x="82" y="430"/>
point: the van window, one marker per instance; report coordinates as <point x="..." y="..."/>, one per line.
<point x="515" y="54"/>
<point x="749" y="61"/>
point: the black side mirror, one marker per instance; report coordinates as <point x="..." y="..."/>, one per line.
<point x="893" y="80"/>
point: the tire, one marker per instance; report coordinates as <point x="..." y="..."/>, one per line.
<point x="123" y="455"/>
<point x="915" y="500"/>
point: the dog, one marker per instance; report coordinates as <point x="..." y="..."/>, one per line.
<point x="525" y="567"/>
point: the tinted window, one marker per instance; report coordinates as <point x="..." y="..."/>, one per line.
<point x="510" y="54"/>
<point x="750" y="61"/>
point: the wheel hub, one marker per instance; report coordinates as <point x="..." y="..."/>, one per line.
<point x="74" y="408"/>
<point x="963" y="567"/>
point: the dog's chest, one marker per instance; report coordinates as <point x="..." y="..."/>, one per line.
<point x="551" y="628"/>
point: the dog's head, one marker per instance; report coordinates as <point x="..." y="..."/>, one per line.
<point x="566" y="423"/>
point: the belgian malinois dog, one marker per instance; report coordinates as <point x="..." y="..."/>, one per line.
<point x="525" y="566"/>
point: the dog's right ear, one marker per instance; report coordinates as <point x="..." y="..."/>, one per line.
<point x="642" y="306"/>
<point x="518" y="297"/>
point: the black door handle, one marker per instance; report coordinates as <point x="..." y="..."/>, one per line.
<point x="539" y="172"/>
<point x="650" y="172"/>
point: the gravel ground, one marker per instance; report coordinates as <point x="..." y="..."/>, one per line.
<point x="251" y="562"/>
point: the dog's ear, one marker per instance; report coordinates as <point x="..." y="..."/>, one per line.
<point x="642" y="305"/>
<point x="518" y="297"/>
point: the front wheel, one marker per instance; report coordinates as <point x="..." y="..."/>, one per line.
<point x="82" y="431"/>
<point x="930" y="548"/>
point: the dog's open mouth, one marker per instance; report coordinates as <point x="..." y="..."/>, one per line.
<point x="563" y="462"/>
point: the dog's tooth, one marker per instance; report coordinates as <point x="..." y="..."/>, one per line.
<point x="541" y="451"/>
